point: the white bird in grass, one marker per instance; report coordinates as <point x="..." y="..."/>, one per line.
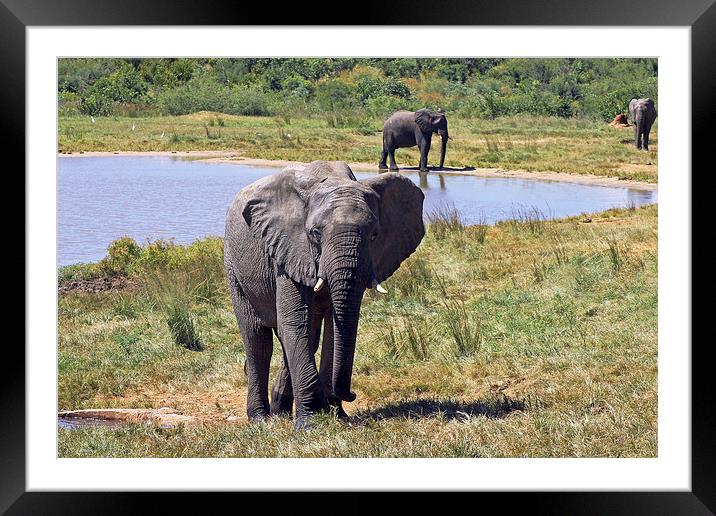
<point x="132" y="127"/>
<point x="162" y="136"/>
<point x="93" y="120"/>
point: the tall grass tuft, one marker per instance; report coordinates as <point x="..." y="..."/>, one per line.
<point x="182" y="326"/>
<point x="616" y="254"/>
<point x="479" y="231"/>
<point x="445" y="220"/>
<point x="174" y="293"/>
<point x="411" y="335"/>
<point x="559" y="250"/>
<point x="539" y="271"/>
<point x="533" y="219"/>
<point x="418" y="338"/>
<point x="465" y="331"/>
<point x="412" y="280"/>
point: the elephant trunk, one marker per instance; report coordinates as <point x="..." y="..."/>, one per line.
<point x="443" y="145"/>
<point x="346" y="311"/>
<point x="347" y="284"/>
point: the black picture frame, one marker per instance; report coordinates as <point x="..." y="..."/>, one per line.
<point x="700" y="15"/>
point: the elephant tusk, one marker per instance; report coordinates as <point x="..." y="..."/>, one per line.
<point x="319" y="285"/>
<point x="379" y="287"/>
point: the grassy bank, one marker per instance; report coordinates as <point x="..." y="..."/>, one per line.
<point x="522" y="142"/>
<point x="527" y="338"/>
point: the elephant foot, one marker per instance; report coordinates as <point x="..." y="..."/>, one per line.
<point x="394" y="169"/>
<point x="337" y="408"/>
<point x="304" y="422"/>
<point x="258" y="418"/>
<point x="281" y="406"/>
<point x="382" y="166"/>
<point x="424" y="170"/>
<point x="282" y="410"/>
<point x="257" y="410"/>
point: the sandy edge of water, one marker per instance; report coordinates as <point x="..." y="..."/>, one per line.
<point x="236" y="159"/>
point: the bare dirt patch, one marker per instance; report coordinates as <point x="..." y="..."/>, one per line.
<point x="205" y="406"/>
<point x="636" y="167"/>
<point x="101" y="284"/>
<point x="620" y="121"/>
<point x="164" y="417"/>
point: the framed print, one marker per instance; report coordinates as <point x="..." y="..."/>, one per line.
<point x="469" y="232"/>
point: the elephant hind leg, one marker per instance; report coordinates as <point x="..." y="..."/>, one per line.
<point x="258" y="347"/>
<point x="282" y="392"/>
<point x="258" y="343"/>
<point x="383" y="165"/>
<point x="393" y="164"/>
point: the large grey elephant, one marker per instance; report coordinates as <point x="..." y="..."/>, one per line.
<point x="410" y="128"/>
<point x="643" y="114"/>
<point x="301" y="246"/>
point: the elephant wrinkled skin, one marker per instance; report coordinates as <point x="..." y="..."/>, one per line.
<point x="643" y="114"/>
<point x="301" y="246"/>
<point x="407" y="129"/>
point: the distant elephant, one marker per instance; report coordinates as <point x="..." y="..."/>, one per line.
<point x="301" y="246"/>
<point x="407" y="129"/>
<point x="643" y="114"/>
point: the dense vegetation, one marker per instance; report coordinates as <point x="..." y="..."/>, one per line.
<point x="348" y="91"/>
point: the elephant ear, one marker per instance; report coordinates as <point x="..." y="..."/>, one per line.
<point x="401" y="222"/>
<point x="275" y="211"/>
<point x="423" y="119"/>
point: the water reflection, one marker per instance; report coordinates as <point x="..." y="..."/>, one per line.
<point x="423" y="183"/>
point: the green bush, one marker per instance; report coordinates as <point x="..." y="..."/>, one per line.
<point x="199" y="94"/>
<point x="249" y="100"/>
<point x="124" y="85"/>
<point x="382" y="107"/>
<point x="68" y="103"/>
<point x="335" y="95"/>
<point x="122" y="254"/>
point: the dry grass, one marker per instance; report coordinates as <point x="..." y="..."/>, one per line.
<point x="525" y="344"/>
<point x="576" y="146"/>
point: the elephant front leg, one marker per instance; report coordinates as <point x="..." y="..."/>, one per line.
<point x="293" y="308"/>
<point x="637" y="136"/>
<point x="645" y="142"/>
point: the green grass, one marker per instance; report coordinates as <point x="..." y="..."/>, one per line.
<point x="521" y="344"/>
<point x="578" y="146"/>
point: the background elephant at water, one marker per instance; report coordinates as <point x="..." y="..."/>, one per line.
<point x="300" y="248"/>
<point x="643" y="114"/>
<point x="407" y="129"/>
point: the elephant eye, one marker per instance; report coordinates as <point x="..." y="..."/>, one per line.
<point x="316" y="234"/>
<point x="374" y="236"/>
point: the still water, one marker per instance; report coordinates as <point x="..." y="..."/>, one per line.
<point x="101" y="199"/>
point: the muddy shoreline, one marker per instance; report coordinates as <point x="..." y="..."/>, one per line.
<point x="236" y="159"/>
